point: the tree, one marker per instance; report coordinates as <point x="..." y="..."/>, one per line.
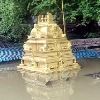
<point x="89" y="9"/>
<point x="12" y="14"/>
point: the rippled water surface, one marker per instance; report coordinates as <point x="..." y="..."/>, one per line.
<point x="85" y="87"/>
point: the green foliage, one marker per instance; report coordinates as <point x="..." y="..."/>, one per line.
<point x="90" y="9"/>
<point x="6" y="15"/>
<point x="12" y="14"/>
<point x="93" y="35"/>
<point x="19" y="33"/>
<point x="41" y="6"/>
<point x="37" y="7"/>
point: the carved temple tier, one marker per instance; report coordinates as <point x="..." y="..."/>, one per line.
<point x="47" y="51"/>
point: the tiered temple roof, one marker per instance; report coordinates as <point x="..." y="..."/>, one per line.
<point x="47" y="51"/>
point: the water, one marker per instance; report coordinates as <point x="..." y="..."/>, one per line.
<point x="14" y="86"/>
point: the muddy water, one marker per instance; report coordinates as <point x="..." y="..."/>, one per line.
<point x="85" y="87"/>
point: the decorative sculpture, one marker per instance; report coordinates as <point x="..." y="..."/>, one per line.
<point x="48" y="53"/>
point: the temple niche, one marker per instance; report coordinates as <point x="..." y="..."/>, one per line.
<point x="47" y="51"/>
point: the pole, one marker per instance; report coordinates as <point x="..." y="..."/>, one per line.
<point x="64" y="24"/>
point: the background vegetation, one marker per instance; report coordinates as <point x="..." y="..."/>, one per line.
<point x="89" y="9"/>
<point x="16" y="16"/>
<point x="12" y="19"/>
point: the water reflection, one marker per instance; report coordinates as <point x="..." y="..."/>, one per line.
<point x="43" y="79"/>
<point x="84" y="87"/>
<point x="52" y="93"/>
<point x="53" y="90"/>
<point x="9" y="74"/>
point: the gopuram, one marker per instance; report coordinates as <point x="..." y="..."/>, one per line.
<point x="48" y="55"/>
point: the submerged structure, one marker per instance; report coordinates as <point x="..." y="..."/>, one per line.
<point x="48" y="53"/>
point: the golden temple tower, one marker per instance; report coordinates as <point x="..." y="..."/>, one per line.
<point x="47" y="51"/>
